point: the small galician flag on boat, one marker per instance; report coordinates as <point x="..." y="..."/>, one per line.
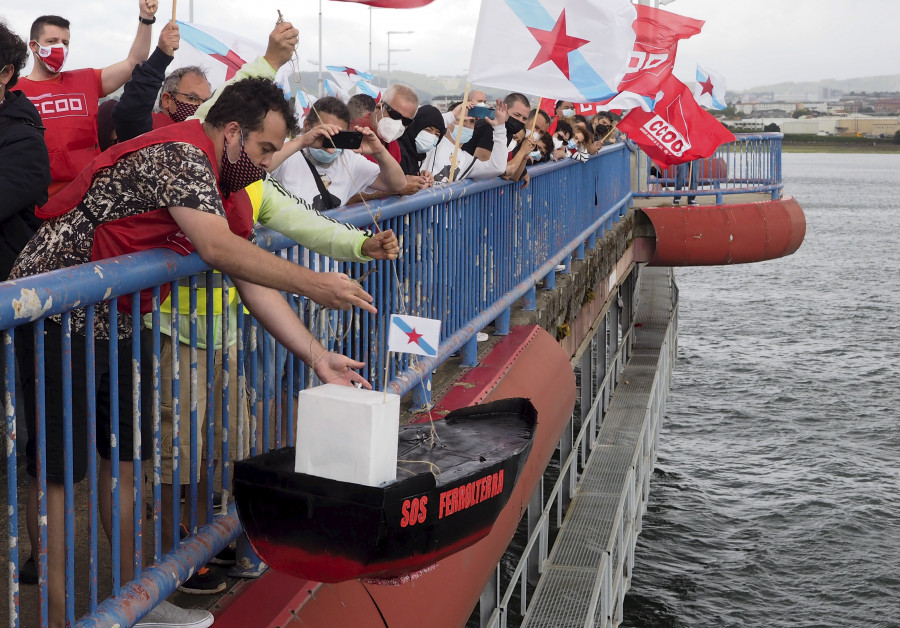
<point x="411" y="334"/>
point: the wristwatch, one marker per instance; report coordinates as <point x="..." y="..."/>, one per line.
<point x="144" y="20"/>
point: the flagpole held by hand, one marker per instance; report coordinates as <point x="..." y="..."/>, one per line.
<point x="174" y="8"/>
<point x="463" y="110"/>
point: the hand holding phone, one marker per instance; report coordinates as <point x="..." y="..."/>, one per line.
<point x="350" y="140"/>
<point x="481" y="112"/>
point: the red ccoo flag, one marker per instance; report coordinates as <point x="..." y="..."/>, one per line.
<point x="391" y="4"/>
<point x="657" y="34"/>
<point x="677" y="130"/>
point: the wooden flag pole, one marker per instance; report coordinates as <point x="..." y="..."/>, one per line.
<point x="463" y="110"/>
<point x="174" y="8"/>
<point x="608" y="133"/>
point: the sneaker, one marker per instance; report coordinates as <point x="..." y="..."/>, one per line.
<point x="167" y="615"/>
<point x="203" y="582"/>
<point x="693" y="202"/>
<point x="28" y="572"/>
<point x="227" y="556"/>
<point x="676" y="201"/>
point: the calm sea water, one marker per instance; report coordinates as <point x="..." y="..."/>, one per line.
<point x="776" y="498"/>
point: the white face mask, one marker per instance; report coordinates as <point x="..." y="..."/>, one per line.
<point x="389" y="129"/>
<point x="425" y="141"/>
<point x="557" y="143"/>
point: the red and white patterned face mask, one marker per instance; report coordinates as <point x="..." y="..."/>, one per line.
<point x="239" y="173"/>
<point x="183" y="110"/>
<point x="53" y="57"/>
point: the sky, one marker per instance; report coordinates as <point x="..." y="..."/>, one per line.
<point x="750" y="42"/>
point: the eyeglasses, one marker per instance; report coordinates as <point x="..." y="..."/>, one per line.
<point x="191" y="98"/>
<point x="396" y="115"/>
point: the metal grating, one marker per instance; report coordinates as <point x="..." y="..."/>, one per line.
<point x="585" y="534"/>
<point x="622" y="426"/>
<point x="608" y="474"/>
<point x="562" y="598"/>
<point x="634" y="389"/>
<point x="593" y="523"/>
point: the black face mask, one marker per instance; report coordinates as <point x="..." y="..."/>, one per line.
<point x="513" y="126"/>
<point x="238" y="174"/>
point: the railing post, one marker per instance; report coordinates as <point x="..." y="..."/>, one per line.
<point x="468" y="354"/>
<point x="489" y="598"/>
<point x="579" y="252"/>
<point x="248" y="564"/>
<point x="535" y="506"/>
<point x="602" y="364"/>
<point x="501" y="325"/>
<point x="529" y="301"/>
<point x="550" y="280"/>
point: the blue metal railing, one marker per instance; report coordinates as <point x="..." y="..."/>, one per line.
<point x="750" y="164"/>
<point x="469" y="251"/>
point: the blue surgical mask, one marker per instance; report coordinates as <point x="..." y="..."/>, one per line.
<point x="571" y="145"/>
<point x="466" y="133"/>
<point x="323" y="156"/>
<point x="425" y="141"/>
<point x="568" y="113"/>
<point x="535" y="155"/>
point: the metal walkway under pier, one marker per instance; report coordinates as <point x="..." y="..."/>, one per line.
<point x="584" y="579"/>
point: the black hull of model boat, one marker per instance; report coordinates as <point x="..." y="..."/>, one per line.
<point x="331" y="531"/>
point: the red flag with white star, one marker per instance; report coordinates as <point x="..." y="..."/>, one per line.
<point x="677" y="130"/>
<point x="561" y="49"/>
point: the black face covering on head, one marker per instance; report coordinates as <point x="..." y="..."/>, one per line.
<point x="513" y="126"/>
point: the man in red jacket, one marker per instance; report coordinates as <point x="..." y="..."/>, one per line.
<point x="67" y="101"/>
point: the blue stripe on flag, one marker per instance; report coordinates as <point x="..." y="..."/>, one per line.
<point x="581" y="74"/>
<point x="204" y="42"/>
<point x="399" y="322"/>
<point x="367" y="89"/>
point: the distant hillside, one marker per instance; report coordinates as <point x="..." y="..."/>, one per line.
<point x="884" y="83"/>
<point x="426" y="86"/>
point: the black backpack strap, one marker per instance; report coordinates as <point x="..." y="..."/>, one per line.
<point x="323" y="191"/>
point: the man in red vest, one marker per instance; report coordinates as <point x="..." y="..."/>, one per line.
<point x="67" y="101"/>
<point x="165" y="189"/>
<point x="182" y="93"/>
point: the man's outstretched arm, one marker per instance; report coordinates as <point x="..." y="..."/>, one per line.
<point x="270" y="309"/>
<point x="241" y="259"/>
<point x="114" y="76"/>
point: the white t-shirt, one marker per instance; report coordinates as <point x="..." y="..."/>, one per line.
<point x="438" y="160"/>
<point x="341" y="177"/>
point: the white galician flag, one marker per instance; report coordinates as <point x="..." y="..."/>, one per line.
<point x="411" y="334"/>
<point x="574" y="50"/>
<point x="709" y="91"/>
<point x="219" y="52"/>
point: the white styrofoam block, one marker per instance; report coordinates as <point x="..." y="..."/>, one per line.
<point x="347" y="434"/>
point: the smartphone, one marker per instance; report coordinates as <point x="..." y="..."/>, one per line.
<point x="481" y="112"/>
<point x="344" y="139"/>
